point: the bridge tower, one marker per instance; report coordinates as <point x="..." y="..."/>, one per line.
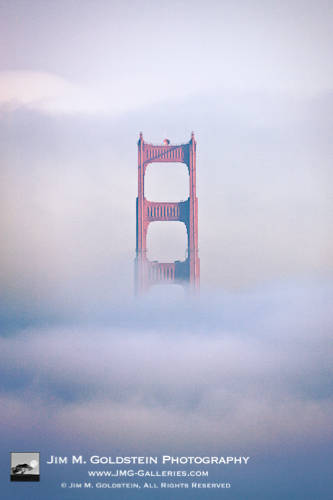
<point x="185" y="272"/>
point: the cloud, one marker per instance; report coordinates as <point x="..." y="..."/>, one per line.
<point x="174" y="384"/>
<point x="116" y="65"/>
<point x="53" y="94"/>
<point x="32" y="89"/>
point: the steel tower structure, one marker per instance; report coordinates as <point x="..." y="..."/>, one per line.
<point x="185" y="272"/>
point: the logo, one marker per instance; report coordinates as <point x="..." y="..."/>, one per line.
<point x="24" y="466"/>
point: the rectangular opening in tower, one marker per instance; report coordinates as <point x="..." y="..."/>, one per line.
<point x="166" y="182"/>
<point x="166" y="241"/>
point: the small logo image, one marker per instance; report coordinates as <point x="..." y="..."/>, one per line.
<point x="24" y="466"/>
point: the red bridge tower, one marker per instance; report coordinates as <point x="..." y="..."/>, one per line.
<point x="185" y="272"/>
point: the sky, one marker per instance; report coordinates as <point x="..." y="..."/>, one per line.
<point x="247" y="365"/>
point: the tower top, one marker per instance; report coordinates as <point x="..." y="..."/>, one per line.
<point x="166" y="141"/>
<point x="140" y="139"/>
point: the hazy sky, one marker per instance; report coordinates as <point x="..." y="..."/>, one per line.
<point x="249" y="365"/>
<point x="79" y="80"/>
